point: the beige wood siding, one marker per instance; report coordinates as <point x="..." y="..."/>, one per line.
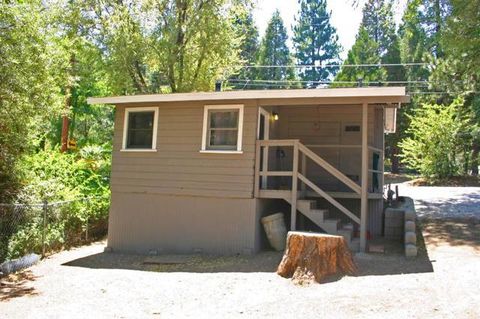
<point x="178" y="168"/>
<point x="140" y="223"/>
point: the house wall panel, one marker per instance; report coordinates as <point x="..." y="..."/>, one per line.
<point x="140" y="223"/>
<point x="178" y="166"/>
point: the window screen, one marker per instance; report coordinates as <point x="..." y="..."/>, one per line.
<point x="222" y="129"/>
<point x="140" y="130"/>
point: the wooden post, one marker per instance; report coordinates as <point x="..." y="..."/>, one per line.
<point x="293" y="221"/>
<point x="364" y="193"/>
<point x="304" y="173"/>
<point x="257" y="169"/>
<point x="265" y="166"/>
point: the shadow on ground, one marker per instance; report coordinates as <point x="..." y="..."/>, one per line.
<point x="17" y="285"/>
<point x="391" y="262"/>
<point x="452" y="231"/>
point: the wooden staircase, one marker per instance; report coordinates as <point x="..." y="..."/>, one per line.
<point x="331" y="226"/>
<point x="297" y="198"/>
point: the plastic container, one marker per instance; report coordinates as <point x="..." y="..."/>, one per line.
<point x="276" y="231"/>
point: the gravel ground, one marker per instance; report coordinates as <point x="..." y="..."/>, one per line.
<point x="444" y="202"/>
<point x="86" y="283"/>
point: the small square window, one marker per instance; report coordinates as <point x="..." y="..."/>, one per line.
<point x="140" y="129"/>
<point x="222" y="128"/>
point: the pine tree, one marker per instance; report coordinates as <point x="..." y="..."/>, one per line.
<point x="246" y="29"/>
<point x="363" y="51"/>
<point x="274" y="52"/>
<point x="379" y="24"/>
<point x="315" y="40"/>
<point x="413" y="41"/>
<point x="433" y="16"/>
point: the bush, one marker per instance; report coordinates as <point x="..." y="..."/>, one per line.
<point x="58" y="177"/>
<point x="436" y="141"/>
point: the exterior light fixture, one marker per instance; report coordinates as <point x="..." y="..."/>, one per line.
<point x="275" y="116"/>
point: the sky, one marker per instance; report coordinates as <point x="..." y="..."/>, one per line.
<point x="345" y="17"/>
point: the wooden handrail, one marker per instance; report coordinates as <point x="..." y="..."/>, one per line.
<point x="277" y="142"/>
<point x="329" y="168"/>
<point x="329" y="198"/>
<point x="276" y="173"/>
<point x="304" y="151"/>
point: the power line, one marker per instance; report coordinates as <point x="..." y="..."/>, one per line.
<point x="301" y="66"/>
<point x="327" y="82"/>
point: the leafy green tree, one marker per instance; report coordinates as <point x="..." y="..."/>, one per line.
<point x="315" y="41"/>
<point x="194" y="42"/>
<point x="435" y="142"/>
<point x="245" y="27"/>
<point x="275" y="52"/>
<point x="30" y="82"/>
<point x="459" y="69"/>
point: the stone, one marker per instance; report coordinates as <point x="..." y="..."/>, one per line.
<point x="410" y="215"/>
<point x="108" y="249"/>
<point x="410" y="238"/>
<point x="411" y="250"/>
<point x="409" y="226"/>
<point x="394" y="213"/>
<point x="315" y="256"/>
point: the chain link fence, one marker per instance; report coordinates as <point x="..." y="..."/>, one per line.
<point x="47" y="227"/>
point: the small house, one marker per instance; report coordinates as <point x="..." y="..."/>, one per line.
<point x="196" y="172"/>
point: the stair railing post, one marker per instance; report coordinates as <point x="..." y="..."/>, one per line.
<point x="293" y="221"/>
<point x="303" y="186"/>
<point x="256" y="188"/>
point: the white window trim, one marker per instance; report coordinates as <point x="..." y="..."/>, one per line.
<point x="207" y="108"/>
<point x="129" y="110"/>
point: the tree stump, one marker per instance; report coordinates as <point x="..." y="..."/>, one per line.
<point x="315" y="256"/>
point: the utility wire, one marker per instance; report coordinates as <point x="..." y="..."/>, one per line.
<point x="327" y="82"/>
<point x="300" y="66"/>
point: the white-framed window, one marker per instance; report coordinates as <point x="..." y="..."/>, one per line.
<point x="222" y="129"/>
<point x="140" y="129"/>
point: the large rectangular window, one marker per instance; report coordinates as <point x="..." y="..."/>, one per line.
<point x="140" y="129"/>
<point x="222" y="128"/>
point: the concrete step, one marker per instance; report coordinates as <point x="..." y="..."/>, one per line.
<point x="330" y="225"/>
<point x="320" y="212"/>
<point x="304" y="204"/>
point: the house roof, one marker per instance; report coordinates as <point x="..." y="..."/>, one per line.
<point x="370" y="95"/>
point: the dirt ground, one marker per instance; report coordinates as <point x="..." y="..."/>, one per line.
<point x="442" y="282"/>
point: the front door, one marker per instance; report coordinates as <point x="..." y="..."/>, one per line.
<point x="263" y="134"/>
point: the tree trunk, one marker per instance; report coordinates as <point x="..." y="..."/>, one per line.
<point x="314" y="256"/>
<point x="474" y="159"/>
<point x="65" y="122"/>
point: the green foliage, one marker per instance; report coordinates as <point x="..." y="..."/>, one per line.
<point x="80" y="180"/>
<point x="315" y="40"/>
<point x="364" y="51"/>
<point x="29" y="84"/>
<point x="435" y="145"/>
<point x="379" y="24"/>
<point x="249" y="49"/>
<point x="274" y="52"/>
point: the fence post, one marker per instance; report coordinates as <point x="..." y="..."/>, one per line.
<point x="45" y="207"/>
<point x="86" y="230"/>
